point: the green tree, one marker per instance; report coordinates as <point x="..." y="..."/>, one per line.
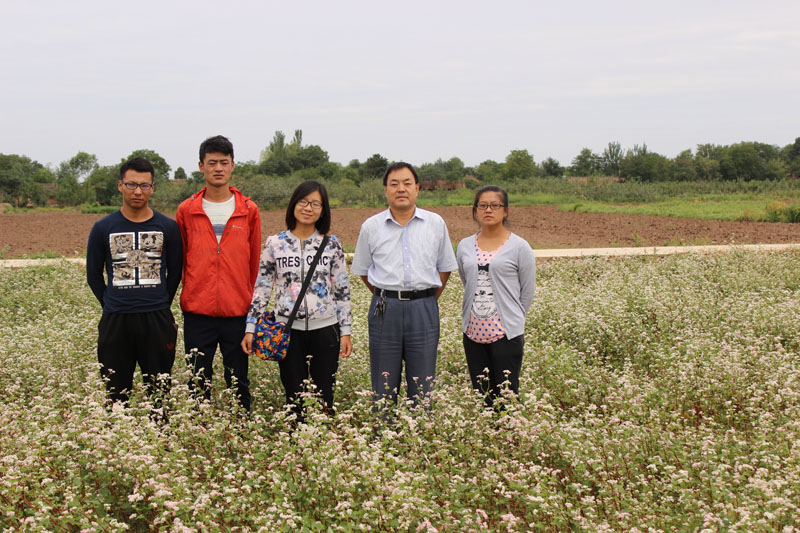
<point x="791" y="157"/>
<point x="552" y="167"/>
<point x="293" y="150"/>
<point x="706" y="169"/>
<point x="81" y="165"/>
<point x="32" y="193"/>
<point x="159" y="164"/>
<point x="489" y="171"/>
<point x="373" y="167"/>
<point x="71" y="174"/>
<point x="777" y="169"/>
<point x="68" y="190"/>
<point x="242" y="170"/>
<point x="12" y="176"/>
<point x="180" y="174"/>
<point x="586" y="163"/>
<point x="519" y="165"/>
<point x="742" y="161"/>
<point x="275" y="157"/>
<point x="276" y="147"/>
<point x="329" y="170"/>
<point x="766" y="151"/>
<point x="198" y="179"/>
<point x="101" y="185"/>
<point x="683" y="167"/>
<point x="310" y="156"/>
<point x="454" y="170"/>
<point x="611" y="159"/>
<point x="451" y="171"/>
<point x="642" y="165"/>
<point x="710" y="151"/>
<point x="18" y="173"/>
<point x="347" y="173"/>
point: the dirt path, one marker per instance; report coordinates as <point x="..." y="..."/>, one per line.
<point x="543" y="226"/>
<point x="540" y="253"/>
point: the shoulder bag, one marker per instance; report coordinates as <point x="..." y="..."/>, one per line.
<point x="271" y="338"/>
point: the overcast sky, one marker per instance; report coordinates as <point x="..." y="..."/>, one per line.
<point x="410" y="80"/>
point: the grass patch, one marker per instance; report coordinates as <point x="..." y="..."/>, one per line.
<point x="97" y="209"/>
<point x="722" y="207"/>
<point x="46" y="254"/>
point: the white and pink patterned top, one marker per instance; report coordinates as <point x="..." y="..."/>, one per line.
<point x="484" y="321"/>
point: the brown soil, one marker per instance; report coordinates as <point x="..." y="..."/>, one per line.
<point x="543" y="226"/>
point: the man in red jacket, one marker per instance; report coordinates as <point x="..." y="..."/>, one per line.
<point x="221" y="231"/>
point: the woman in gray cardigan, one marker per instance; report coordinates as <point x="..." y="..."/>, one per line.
<point x="498" y="270"/>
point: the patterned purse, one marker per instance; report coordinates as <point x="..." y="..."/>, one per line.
<point x="271" y="338"/>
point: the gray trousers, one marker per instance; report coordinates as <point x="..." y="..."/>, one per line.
<point x="408" y="330"/>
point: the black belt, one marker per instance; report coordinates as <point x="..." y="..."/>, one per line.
<point x="406" y="295"/>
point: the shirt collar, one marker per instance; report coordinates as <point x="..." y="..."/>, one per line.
<point x="418" y="213"/>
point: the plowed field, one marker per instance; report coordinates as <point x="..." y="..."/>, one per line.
<point x="543" y="226"/>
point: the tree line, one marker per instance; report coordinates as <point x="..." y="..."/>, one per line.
<point x="283" y="163"/>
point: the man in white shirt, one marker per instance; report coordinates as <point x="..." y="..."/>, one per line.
<point x="405" y="257"/>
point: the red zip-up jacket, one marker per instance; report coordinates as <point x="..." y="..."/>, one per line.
<point x="218" y="278"/>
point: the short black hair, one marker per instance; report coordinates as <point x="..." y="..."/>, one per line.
<point x="397" y="166"/>
<point x="489" y="188"/>
<point x="323" y="225"/>
<point x="137" y="164"/>
<point x="217" y="144"/>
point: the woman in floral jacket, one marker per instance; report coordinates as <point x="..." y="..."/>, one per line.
<point x="321" y="329"/>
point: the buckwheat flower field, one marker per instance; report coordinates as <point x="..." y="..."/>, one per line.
<point x="658" y="394"/>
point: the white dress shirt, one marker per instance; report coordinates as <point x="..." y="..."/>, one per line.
<point x="410" y="257"/>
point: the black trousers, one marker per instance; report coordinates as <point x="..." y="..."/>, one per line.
<point x="313" y="354"/>
<point x="125" y="339"/>
<point x="494" y="366"/>
<point x="203" y="333"/>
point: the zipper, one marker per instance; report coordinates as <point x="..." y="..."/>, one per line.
<point x="210" y="226"/>
<point x="219" y="248"/>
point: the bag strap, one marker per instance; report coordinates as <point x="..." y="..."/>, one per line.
<point x="307" y="281"/>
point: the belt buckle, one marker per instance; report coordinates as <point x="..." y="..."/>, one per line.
<point x="400" y="296"/>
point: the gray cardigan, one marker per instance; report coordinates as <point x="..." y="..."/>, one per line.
<point x="513" y="276"/>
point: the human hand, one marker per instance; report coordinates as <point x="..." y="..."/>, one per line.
<point x="346" y="346"/>
<point x="247" y="343"/>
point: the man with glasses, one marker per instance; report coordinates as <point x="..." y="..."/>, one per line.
<point x="140" y="251"/>
<point x="221" y="231"/>
<point x="405" y="257"/>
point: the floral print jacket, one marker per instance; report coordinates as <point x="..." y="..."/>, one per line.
<point x="284" y="263"/>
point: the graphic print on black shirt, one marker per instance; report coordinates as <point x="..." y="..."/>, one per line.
<point x="136" y="258"/>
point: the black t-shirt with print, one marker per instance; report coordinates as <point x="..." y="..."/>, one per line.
<point x="142" y="263"/>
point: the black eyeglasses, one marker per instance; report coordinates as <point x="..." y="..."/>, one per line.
<point x="494" y="207"/>
<point x="131" y="186"/>
<point x="315" y="205"/>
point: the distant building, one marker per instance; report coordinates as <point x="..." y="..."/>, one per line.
<point x="444" y="185"/>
